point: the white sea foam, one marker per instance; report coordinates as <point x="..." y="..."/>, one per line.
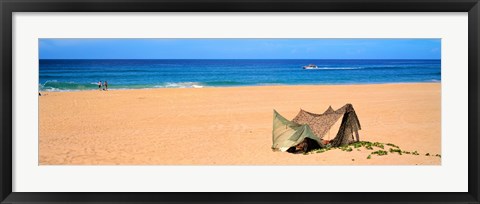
<point x="180" y="85"/>
<point x="56" y="90"/>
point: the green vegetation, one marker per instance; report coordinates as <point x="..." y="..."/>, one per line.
<point x="321" y="150"/>
<point x="346" y="148"/>
<point x="380" y="152"/>
<point x="406" y="152"/>
<point x="392" y="145"/>
<point x="378" y="144"/>
<point x="399" y="151"/>
<point x="370" y="146"/>
<point x="357" y="144"/>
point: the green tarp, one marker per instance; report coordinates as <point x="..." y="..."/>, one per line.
<point x="287" y="134"/>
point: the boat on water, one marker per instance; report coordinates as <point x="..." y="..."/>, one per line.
<point x="310" y="66"/>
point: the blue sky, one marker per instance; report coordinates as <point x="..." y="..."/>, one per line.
<point x="240" y="48"/>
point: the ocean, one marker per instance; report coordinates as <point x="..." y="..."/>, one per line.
<point x="73" y="75"/>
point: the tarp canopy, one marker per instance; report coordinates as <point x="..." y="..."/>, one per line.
<point x="329" y="110"/>
<point x="287" y="134"/>
<point x="321" y="124"/>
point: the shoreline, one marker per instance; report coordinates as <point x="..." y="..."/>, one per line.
<point x="268" y="85"/>
<point x="231" y="126"/>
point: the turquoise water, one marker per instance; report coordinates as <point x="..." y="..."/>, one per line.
<point x="68" y="75"/>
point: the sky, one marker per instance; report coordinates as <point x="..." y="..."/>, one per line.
<point x="239" y="48"/>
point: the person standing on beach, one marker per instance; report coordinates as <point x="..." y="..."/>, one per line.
<point x="106" y="85"/>
<point x="99" y="85"/>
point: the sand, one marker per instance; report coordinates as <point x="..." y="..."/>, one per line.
<point x="231" y="126"/>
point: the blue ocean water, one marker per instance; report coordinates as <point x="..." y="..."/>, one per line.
<point x="67" y="75"/>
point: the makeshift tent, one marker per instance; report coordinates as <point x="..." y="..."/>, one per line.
<point x="321" y="124"/>
<point x="329" y="110"/>
<point x="287" y="134"/>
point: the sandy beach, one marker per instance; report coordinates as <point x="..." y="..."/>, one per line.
<point x="231" y="126"/>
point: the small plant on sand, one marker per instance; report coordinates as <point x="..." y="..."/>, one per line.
<point x="367" y="143"/>
<point x="392" y="145"/>
<point x="346" y="148"/>
<point x="380" y="152"/>
<point x="399" y="151"/>
<point x="369" y="146"/>
<point x="321" y="151"/>
<point x="378" y="144"/>
<point x="406" y="152"/>
<point x="357" y="144"/>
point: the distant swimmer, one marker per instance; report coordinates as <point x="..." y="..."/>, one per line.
<point x="99" y="85"/>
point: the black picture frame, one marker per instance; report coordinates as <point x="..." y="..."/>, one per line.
<point x="7" y="7"/>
